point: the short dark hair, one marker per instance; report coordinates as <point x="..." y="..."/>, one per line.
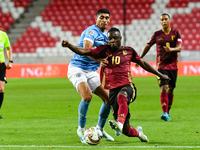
<point x="114" y="29"/>
<point x="103" y="10"/>
<point x="166" y="14"/>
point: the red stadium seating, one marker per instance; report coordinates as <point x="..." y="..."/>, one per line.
<point x="76" y="15"/>
<point x="189" y="26"/>
<point x="79" y="10"/>
<point x="6" y="21"/>
<point x="179" y="3"/>
<point x="34" y="39"/>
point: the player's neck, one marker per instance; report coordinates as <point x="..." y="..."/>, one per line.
<point x="166" y="30"/>
<point x="102" y="29"/>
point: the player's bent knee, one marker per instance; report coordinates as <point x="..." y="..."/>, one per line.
<point x="1" y="90"/>
<point x="87" y="98"/>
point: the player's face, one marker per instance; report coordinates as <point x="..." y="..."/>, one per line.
<point x="114" y="40"/>
<point x="165" y="21"/>
<point x="102" y="21"/>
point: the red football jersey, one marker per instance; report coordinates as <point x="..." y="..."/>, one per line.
<point x="166" y="60"/>
<point x="117" y="73"/>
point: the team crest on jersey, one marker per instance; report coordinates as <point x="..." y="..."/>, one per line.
<point x="160" y="39"/>
<point x="172" y="37"/>
<point x="91" y="32"/>
<point x="124" y="52"/>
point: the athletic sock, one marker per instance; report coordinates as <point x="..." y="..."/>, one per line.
<point x="1" y="98"/>
<point x="80" y="129"/>
<point x="131" y="132"/>
<point x="82" y="110"/>
<point x="170" y="97"/>
<point x="103" y="115"/>
<point x="164" y="101"/>
<point x="123" y="108"/>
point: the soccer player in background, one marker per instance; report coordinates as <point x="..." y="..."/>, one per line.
<point x="116" y="77"/>
<point x="82" y="74"/>
<point x="4" y="43"/>
<point x="168" y="43"/>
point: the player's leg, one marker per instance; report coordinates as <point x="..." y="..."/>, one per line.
<point x="164" y="87"/>
<point x="79" y="80"/>
<point x="2" y="83"/>
<point x="86" y="96"/>
<point x="172" y="85"/>
<point x="164" y="98"/>
<point x="129" y="131"/>
<point x="125" y="96"/>
<point x="95" y="86"/>
<point x="170" y="97"/>
<point x="164" y="102"/>
<point x="122" y="112"/>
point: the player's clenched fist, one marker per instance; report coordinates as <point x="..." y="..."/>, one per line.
<point x="65" y="43"/>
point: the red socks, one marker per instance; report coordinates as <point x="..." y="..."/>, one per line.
<point x="131" y="132"/>
<point x="123" y="108"/>
<point x="170" y="98"/>
<point x="164" y="101"/>
<point x="122" y="113"/>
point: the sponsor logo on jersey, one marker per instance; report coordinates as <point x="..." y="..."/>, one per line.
<point x="160" y="39"/>
<point x="91" y="32"/>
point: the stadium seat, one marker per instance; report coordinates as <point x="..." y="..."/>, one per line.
<point x="69" y="18"/>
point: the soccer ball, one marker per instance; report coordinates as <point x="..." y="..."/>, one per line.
<point x="93" y="135"/>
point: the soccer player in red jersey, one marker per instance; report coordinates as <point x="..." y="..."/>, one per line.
<point x="116" y="77"/>
<point x="168" y="43"/>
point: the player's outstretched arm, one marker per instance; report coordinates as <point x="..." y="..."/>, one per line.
<point x="145" y="51"/>
<point x="145" y="65"/>
<point x="76" y="49"/>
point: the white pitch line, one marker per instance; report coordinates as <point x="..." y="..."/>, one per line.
<point x="56" y="146"/>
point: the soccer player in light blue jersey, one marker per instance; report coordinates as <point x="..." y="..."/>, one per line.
<point x="82" y="73"/>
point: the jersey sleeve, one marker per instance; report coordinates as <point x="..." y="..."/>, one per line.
<point x="7" y="42"/>
<point x="99" y="51"/>
<point x="95" y="51"/>
<point x="179" y="39"/>
<point x="135" y="57"/>
<point x="90" y="35"/>
<point x="152" y="40"/>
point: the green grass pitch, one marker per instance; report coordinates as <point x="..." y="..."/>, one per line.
<point x="43" y="114"/>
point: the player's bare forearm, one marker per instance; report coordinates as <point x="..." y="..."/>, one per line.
<point x="145" y="65"/>
<point x="173" y="49"/>
<point x="145" y="51"/>
<point x="76" y="49"/>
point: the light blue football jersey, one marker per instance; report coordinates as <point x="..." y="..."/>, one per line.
<point x="97" y="37"/>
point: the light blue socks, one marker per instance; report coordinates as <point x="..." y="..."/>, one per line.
<point x="82" y="110"/>
<point x="103" y="114"/>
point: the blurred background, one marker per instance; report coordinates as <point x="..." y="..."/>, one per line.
<point x="37" y="27"/>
